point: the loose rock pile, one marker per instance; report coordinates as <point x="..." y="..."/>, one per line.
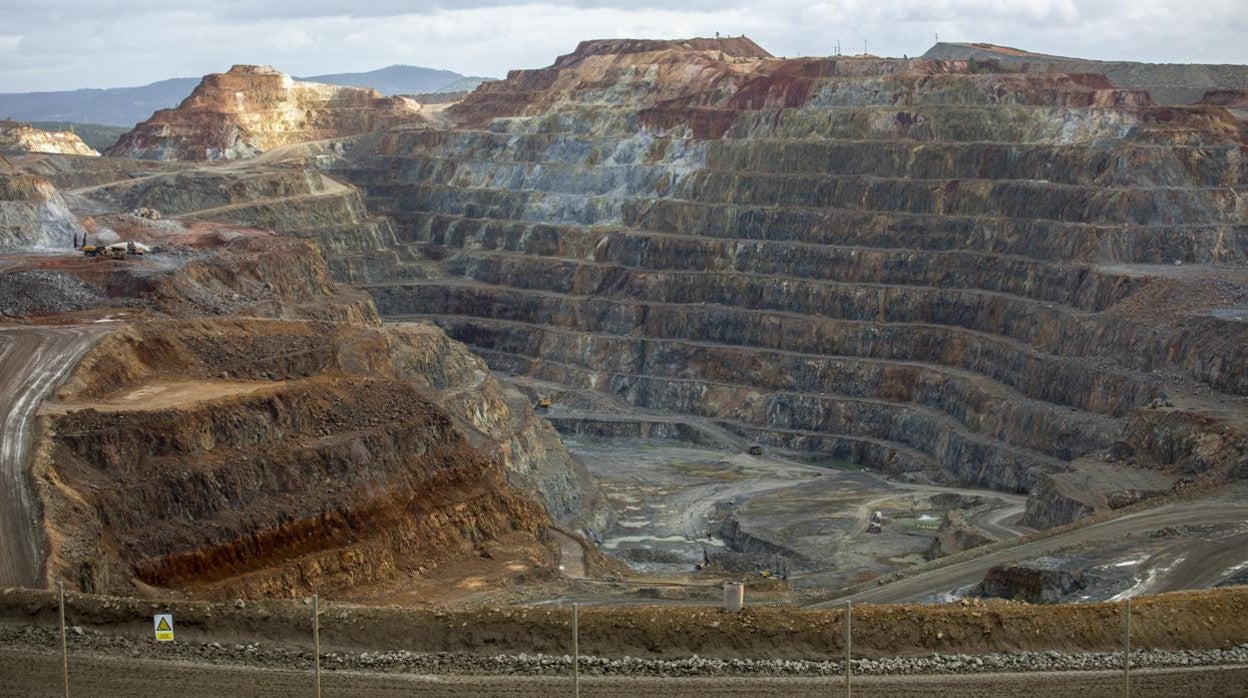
<point x="403" y="661"/>
<point x="28" y="292"/>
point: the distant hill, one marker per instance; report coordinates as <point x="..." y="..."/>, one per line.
<point x="396" y="79"/>
<point x="127" y="106"/>
<point x="115" y="106"/>
<point x="1167" y="83"/>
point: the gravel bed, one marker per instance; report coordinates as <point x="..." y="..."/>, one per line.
<point x="27" y="292"/>
<point x="93" y="642"/>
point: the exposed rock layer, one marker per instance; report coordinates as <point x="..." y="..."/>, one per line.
<point x="34" y="215"/>
<point x="252" y="109"/>
<point x="921" y="265"/>
<point x="18" y="137"/>
<point x="944" y="269"/>
<point x="315" y="449"/>
<point x="305" y="455"/>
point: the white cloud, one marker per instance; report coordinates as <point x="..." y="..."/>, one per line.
<point x="64" y="44"/>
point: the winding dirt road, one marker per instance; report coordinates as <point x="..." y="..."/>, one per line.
<point x="940" y="580"/>
<point x="33" y="362"/>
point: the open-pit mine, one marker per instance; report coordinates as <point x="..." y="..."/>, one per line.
<point x="659" y="316"/>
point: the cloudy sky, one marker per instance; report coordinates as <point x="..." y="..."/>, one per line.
<point x="65" y="44"/>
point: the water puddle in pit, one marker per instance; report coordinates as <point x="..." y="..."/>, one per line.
<point x="614" y="543"/>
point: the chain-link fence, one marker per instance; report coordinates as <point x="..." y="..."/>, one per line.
<point x="79" y="645"/>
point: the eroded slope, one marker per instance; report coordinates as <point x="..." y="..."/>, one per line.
<point x="248" y="427"/>
<point x="251" y="109"/>
<point x="328" y="472"/>
<point x="17" y="137"/>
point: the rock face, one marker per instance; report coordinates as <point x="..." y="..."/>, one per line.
<point x="271" y="457"/>
<point x="279" y="473"/>
<point x="17" y="137"/>
<point x="257" y="431"/>
<point x="251" y="109"/>
<point x="34" y="215"/>
<point x="950" y="267"/>
<point x="1040" y="580"/>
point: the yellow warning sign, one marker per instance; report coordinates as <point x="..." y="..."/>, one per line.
<point x="164" y="627"/>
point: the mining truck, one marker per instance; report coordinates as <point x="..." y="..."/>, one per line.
<point x="117" y="250"/>
<point x="109" y="251"/>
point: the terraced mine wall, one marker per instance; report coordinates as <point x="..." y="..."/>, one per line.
<point x="252" y="429"/>
<point x="293" y="200"/>
<point x="305" y="455"/>
<point x="922" y="266"/>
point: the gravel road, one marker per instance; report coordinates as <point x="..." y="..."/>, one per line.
<point x="31" y="673"/>
<point x="33" y="362"/>
<point x="955" y="576"/>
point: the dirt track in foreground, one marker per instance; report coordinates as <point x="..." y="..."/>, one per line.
<point x="33" y="362"/>
<point x="39" y="674"/>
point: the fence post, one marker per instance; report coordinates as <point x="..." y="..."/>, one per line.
<point x="316" y="639"/>
<point x="576" y="653"/>
<point x="60" y="600"/>
<point x="849" y="631"/>
<point x="1126" y="650"/>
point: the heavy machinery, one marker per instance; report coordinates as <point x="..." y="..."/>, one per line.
<point x="544" y="402"/>
<point x="117" y="250"/>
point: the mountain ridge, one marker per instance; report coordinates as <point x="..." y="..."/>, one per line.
<point x="1167" y="83"/>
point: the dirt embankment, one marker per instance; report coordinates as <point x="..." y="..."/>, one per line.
<point x="226" y="457"/>
<point x="1190" y="620"/>
<point x="322" y="478"/>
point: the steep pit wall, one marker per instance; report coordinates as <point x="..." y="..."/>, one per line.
<point x="920" y="264"/>
<point x="329" y="482"/>
<point x="34" y="215"/>
<point x="361" y="454"/>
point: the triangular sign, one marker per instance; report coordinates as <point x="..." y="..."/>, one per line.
<point x="163" y="625"/>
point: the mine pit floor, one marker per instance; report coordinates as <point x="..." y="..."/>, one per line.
<point x="679" y="504"/>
